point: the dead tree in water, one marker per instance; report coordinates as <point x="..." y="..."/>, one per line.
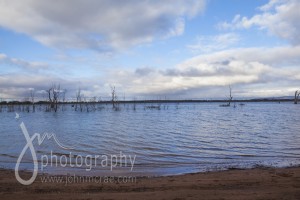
<point x="54" y="93"/>
<point x="230" y="96"/>
<point x="229" y="99"/>
<point x="63" y="94"/>
<point x="32" y="94"/>
<point x="78" y="100"/>
<point x="297" y="93"/>
<point x="114" y="98"/>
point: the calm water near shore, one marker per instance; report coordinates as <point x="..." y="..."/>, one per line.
<point x="178" y="138"/>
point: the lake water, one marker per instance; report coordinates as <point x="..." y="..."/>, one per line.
<point x="178" y="138"/>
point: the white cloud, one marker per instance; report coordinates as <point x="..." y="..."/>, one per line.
<point x="102" y="25"/>
<point x="280" y="18"/>
<point x="29" y="65"/>
<point x="271" y="5"/>
<point x="214" y="43"/>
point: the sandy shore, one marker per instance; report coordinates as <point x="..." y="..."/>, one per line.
<point x="232" y="184"/>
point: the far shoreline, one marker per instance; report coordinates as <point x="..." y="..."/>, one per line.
<point x="258" y="100"/>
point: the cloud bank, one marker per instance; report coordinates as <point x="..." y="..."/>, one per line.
<point x="251" y="72"/>
<point x="101" y="25"/>
<point x="270" y="67"/>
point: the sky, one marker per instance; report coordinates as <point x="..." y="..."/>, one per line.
<point x="171" y="49"/>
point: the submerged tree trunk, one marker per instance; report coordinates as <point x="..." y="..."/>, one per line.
<point x="114" y="98"/>
<point x="297" y="93"/>
<point x="230" y="96"/>
<point x="32" y="94"/>
<point x="54" y="94"/>
<point x="229" y="99"/>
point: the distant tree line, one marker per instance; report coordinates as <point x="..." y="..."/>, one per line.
<point x="55" y="99"/>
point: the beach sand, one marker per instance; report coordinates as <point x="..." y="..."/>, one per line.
<point x="251" y="184"/>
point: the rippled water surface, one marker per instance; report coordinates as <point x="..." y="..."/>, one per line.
<point x="178" y="138"/>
